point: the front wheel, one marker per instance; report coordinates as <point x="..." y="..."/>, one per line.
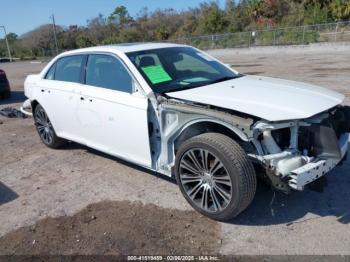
<point x="45" y="129"/>
<point x="215" y="176"/>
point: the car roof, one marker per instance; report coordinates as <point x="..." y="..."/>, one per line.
<point x="124" y="48"/>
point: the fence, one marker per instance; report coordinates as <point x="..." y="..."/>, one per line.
<point x="330" y="32"/>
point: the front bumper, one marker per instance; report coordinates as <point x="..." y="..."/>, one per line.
<point x="311" y="171"/>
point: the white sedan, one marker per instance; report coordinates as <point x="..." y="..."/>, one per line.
<point x="176" y="110"/>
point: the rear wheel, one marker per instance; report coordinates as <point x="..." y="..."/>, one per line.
<point x="45" y="129"/>
<point x="215" y="176"/>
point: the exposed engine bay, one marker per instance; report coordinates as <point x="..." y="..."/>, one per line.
<point x="292" y="153"/>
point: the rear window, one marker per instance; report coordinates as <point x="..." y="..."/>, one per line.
<point x="66" y="69"/>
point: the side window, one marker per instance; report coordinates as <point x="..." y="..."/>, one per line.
<point x="68" y="68"/>
<point x="108" y="72"/>
<point x="51" y="73"/>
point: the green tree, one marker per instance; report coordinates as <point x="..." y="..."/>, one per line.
<point x="120" y="16"/>
<point x="83" y="40"/>
<point x="189" y="26"/>
<point x="12" y="37"/>
<point x="238" y="17"/>
<point x="340" y="9"/>
<point x="315" y="14"/>
<point x="68" y="38"/>
<point x="162" y="32"/>
<point x="213" y="19"/>
<point x="163" y="24"/>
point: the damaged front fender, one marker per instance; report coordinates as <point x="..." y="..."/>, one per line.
<point x="175" y="118"/>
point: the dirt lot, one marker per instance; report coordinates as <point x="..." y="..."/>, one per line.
<point x="114" y="228"/>
<point x="50" y="199"/>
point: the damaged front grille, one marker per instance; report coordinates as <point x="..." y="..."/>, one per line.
<point x="321" y="140"/>
<point x="299" y="152"/>
<point x="339" y="120"/>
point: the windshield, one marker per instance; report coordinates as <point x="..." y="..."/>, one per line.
<point x="178" y="68"/>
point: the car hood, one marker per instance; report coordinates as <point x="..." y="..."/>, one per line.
<point x="265" y="97"/>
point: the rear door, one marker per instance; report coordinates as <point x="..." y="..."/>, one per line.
<point x="113" y="117"/>
<point x="59" y="98"/>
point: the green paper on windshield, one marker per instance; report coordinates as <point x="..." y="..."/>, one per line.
<point x="156" y="74"/>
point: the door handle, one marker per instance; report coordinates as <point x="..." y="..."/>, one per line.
<point x="85" y="98"/>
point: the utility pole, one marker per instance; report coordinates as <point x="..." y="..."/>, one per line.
<point x="7" y="43"/>
<point x="54" y="32"/>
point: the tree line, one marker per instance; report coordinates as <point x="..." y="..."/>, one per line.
<point x="167" y="24"/>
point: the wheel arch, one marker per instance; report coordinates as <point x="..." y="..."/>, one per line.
<point x="34" y="104"/>
<point x="200" y="126"/>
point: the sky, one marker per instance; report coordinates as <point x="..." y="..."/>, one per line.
<point x="21" y="16"/>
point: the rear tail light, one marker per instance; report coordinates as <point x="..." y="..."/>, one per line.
<point x="2" y="72"/>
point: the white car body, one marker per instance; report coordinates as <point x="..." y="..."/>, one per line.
<point x="251" y="107"/>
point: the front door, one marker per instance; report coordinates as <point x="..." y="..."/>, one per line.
<point x="113" y="118"/>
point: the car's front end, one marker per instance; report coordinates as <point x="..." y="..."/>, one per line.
<point x="296" y="153"/>
<point x="300" y="131"/>
<point x="291" y="153"/>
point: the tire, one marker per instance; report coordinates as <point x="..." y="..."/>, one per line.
<point x="226" y="170"/>
<point x="45" y="129"/>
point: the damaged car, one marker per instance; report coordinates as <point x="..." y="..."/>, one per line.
<point x="180" y="112"/>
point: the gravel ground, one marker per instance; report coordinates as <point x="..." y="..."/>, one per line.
<point x="37" y="183"/>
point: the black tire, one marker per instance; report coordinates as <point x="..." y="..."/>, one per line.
<point x="235" y="163"/>
<point x="45" y="129"/>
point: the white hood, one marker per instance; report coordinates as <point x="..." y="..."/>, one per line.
<point x="265" y="97"/>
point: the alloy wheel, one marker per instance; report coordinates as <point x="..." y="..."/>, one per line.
<point x="205" y="180"/>
<point x="44" y="126"/>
